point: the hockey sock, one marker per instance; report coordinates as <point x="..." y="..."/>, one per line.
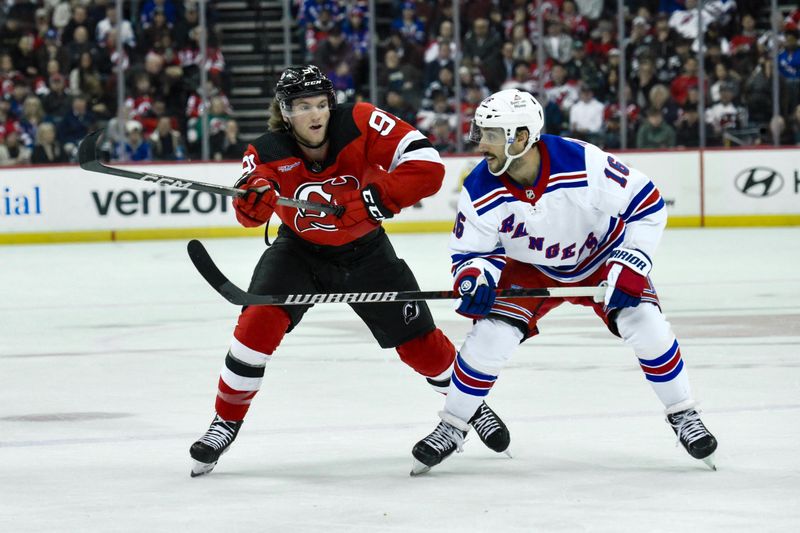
<point x="432" y="356"/>
<point x="257" y="335"/>
<point x="646" y="330"/>
<point x="485" y="351"/>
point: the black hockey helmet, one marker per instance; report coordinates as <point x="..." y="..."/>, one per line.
<point x="301" y="82"/>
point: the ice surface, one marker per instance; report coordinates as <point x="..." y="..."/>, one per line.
<point x="109" y="357"/>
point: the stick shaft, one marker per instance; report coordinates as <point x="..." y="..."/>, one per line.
<point x="87" y="157"/>
<point x="214" y="276"/>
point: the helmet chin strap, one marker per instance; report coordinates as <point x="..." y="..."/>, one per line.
<point x="510" y="158"/>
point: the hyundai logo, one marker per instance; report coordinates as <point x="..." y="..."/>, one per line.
<point x="759" y="182"/>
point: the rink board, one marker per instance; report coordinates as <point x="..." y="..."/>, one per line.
<point x="66" y="203"/>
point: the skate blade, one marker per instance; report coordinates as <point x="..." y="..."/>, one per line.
<point x="418" y="468"/>
<point x="199" y="469"/>
<point x="709" y="461"/>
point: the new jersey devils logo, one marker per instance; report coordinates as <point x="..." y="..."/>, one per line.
<point x="322" y="192"/>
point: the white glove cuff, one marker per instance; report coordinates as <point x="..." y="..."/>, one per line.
<point x="636" y="260"/>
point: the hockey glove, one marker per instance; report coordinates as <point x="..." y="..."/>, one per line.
<point x="477" y="293"/>
<point x="626" y="273"/>
<point x="258" y="204"/>
<point x="365" y="204"/>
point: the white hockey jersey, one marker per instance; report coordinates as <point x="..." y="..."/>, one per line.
<point x="583" y="204"/>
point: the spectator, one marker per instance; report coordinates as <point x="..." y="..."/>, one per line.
<point x="557" y="44"/>
<point x="85" y="80"/>
<point x="561" y="92"/>
<point x="794" y="125"/>
<point x="482" y="49"/>
<point x="521" y="79"/>
<point x="643" y="82"/>
<point x="446" y="37"/>
<point x="654" y="132"/>
<point x="32" y="116"/>
<point x="184" y="25"/>
<point x="396" y="105"/>
<point x="584" y="69"/>
<point x="56" y="102"/>
<point x="226" y="144"/>
<point x="79" y="18"/>
<point x="659" y="98"/>
<point x="757" y="93"/>
<point x="586" y="117"/>
<point x="76" y="124"/>
<point x="442" y="136"/>
<point x="135" y="147"/>
<point x="51" y="50"/>
<point x="15" y="152"/>
<point x="343" y="83"/>
<point x="724" y="115"/>
<point x="403" y="78"/>
<point x="522" y="48"/>
<point x="105" y="26"/>
<point x="724" y="76"/>
<point x="79" y="45"/>
<point x="47" y="148"/>
<point x="153" y="8"/>
<point x="789" y="69"/>
<point x="333" y="51"/>
<point x="680" y="85"/>
<point x="166" y="142"/>
<point x="685" y="21"/>
<point x="687" y="128"/>
<point x="23" y="56"/>
<point x="408" y="25"/>
<point x="443" y="60"/>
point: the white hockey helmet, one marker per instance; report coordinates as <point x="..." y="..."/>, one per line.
<point x="507" y="111"/>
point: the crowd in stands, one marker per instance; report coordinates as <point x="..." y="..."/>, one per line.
<point x="580" y="72"/>
<point x="59" y="69"/>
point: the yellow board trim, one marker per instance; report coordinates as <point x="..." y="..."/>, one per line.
<point x="752" y="220"/>
<point x="391" y="227"/>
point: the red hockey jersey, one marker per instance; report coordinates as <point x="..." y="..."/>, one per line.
<point x="367" y="145"/>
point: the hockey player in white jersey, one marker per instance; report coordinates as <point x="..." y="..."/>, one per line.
<point x="542" y="211"/>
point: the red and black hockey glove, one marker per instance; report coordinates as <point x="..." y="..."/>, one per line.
<point x="626" y="273"/>
<point x="361" y="205"/>
<point x="257" y="206"/>
<point x="476" y="287"/>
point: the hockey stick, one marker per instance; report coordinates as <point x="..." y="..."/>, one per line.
<point x="205" y="265"/>
<point x="87" y="157"/>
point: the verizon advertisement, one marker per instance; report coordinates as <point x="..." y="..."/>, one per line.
<point x="38" y="201"/>
<point x="69" y="199"/>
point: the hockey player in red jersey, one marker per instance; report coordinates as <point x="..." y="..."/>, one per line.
<point x="371" y="163"/>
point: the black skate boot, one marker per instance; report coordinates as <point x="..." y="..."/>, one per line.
<point x="215" y="442"/>
<point x="491" y="430"/>
<point x="447" y="438"/>
<point x="692" y="434"/>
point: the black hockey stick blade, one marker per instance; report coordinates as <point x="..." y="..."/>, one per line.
<point x="205" y="265"/>
<point x="87" y="158"/>
<point x="212" y="274"/>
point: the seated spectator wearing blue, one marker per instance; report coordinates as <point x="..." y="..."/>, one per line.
<point x="135" y="147"/>
<point x="76" y="124"/>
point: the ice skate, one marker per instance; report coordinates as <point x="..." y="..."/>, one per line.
<point x="692" y="434"/>
<point x="215" y="442"/>
<point x="491" y="430"/>
<point x="447" y="438"/>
